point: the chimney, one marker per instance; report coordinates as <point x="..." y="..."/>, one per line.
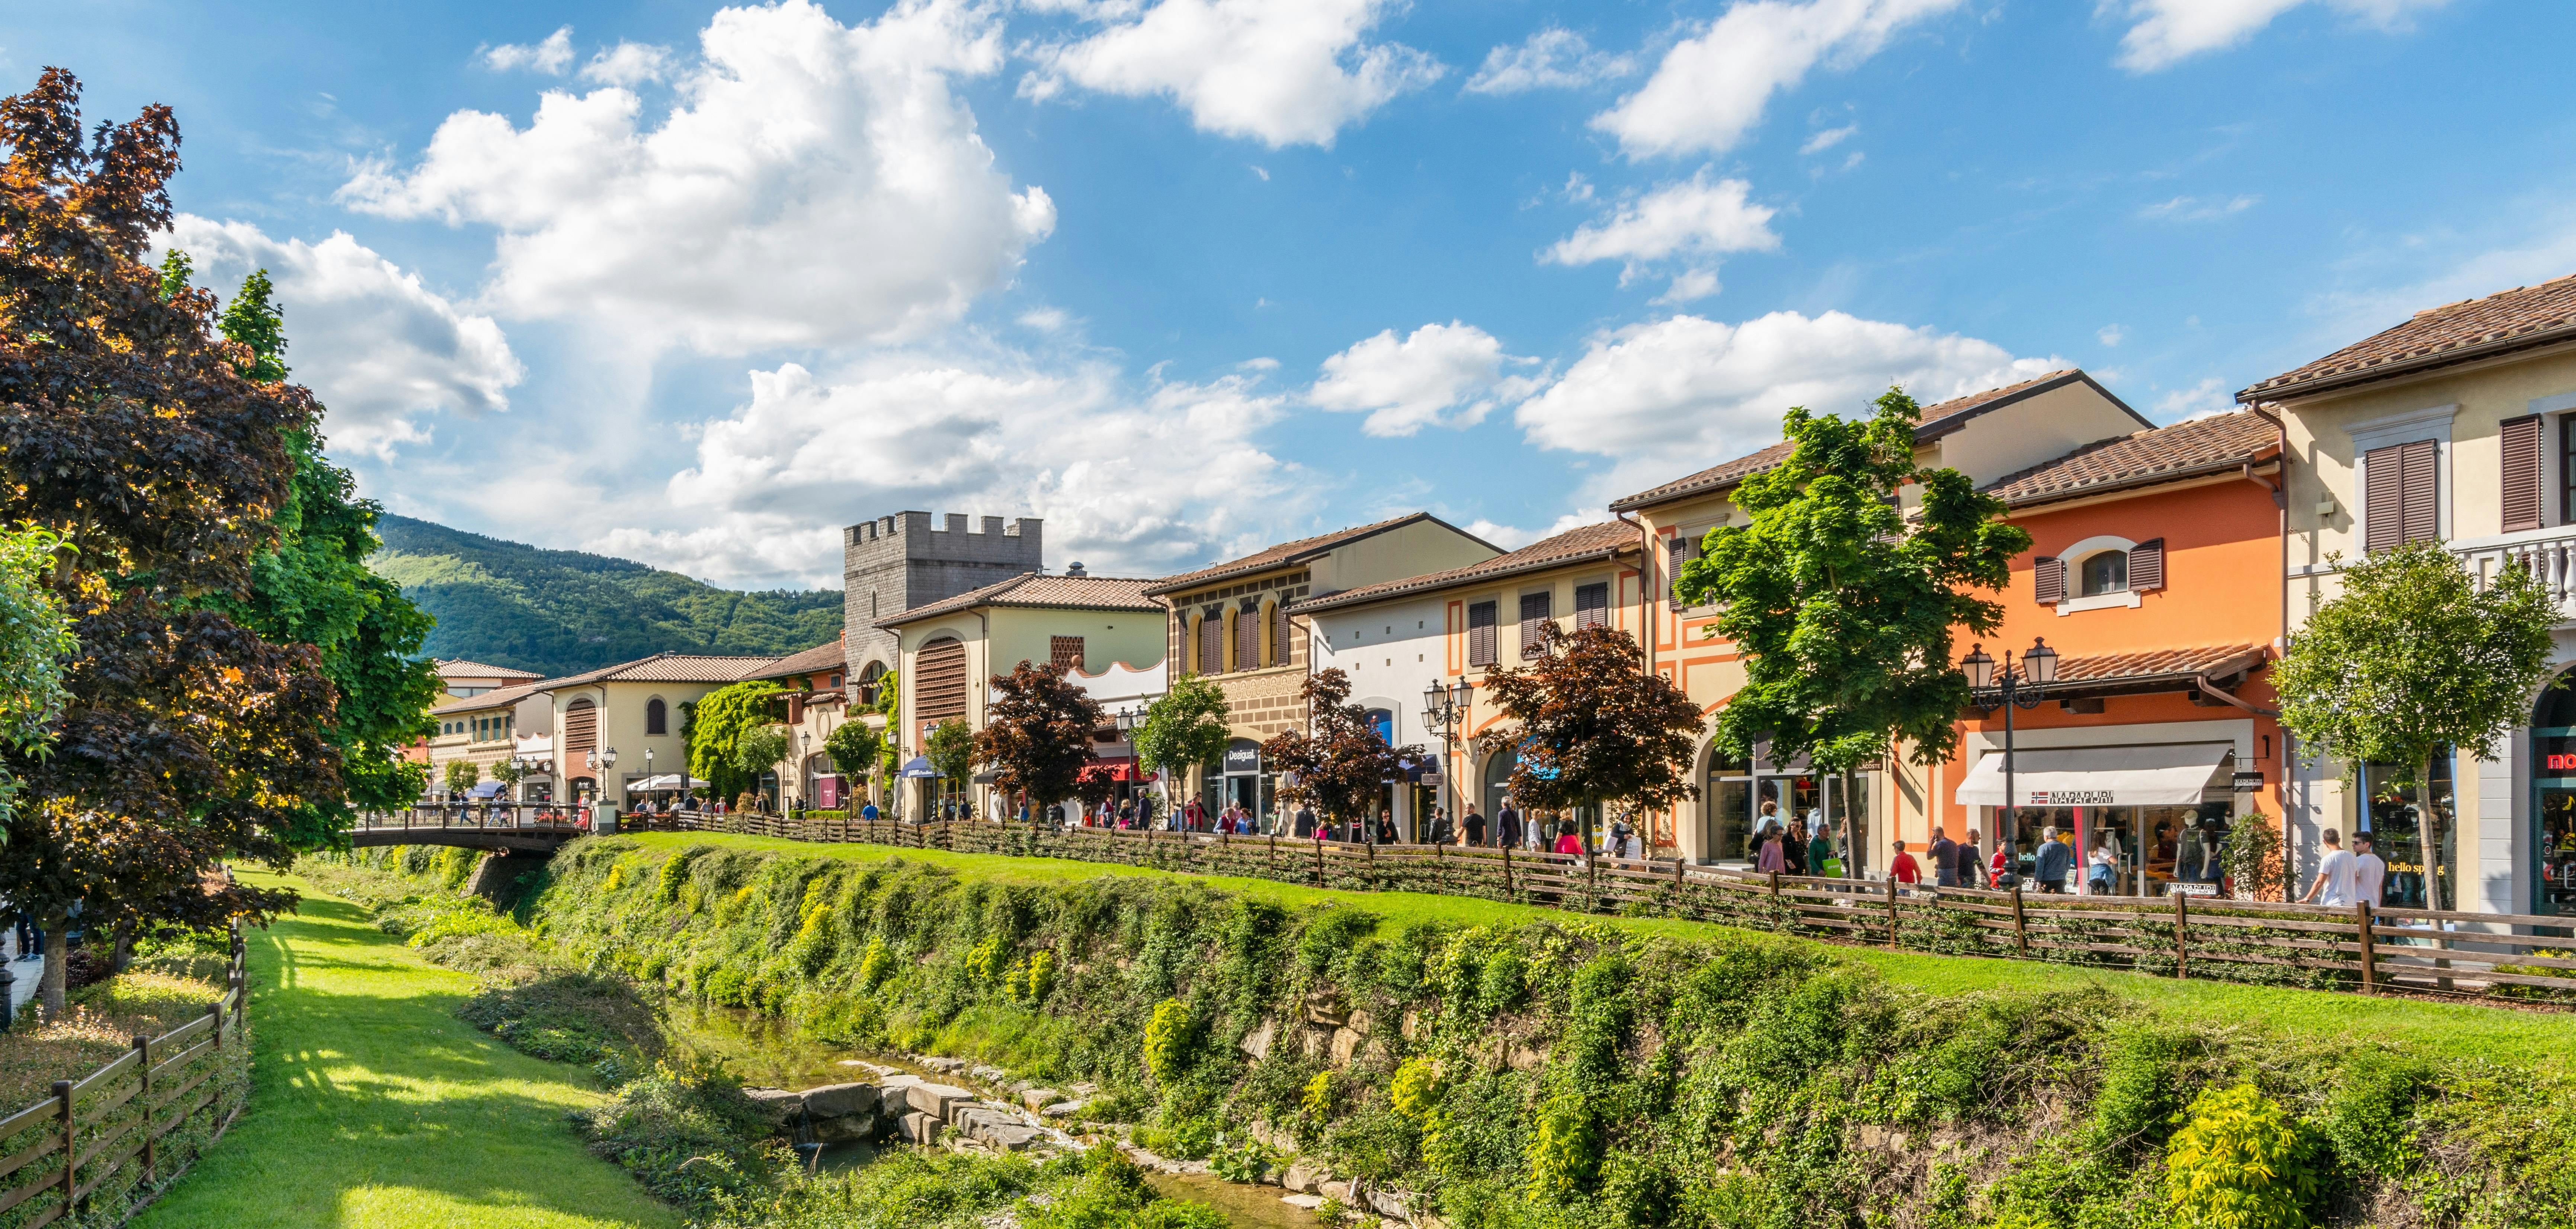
<point x="1075" y="569"/>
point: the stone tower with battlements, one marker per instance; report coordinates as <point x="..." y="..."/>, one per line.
<point x="895" y="563"/>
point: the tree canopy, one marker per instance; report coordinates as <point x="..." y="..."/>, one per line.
<point x="717" y="727"/>
<point x="2414" y="659"/>
<point x="1341" y="763"/>
<point x="1037" y="733"/>
<point x="1184" y="728"/>
<point x="1590" y="726"/>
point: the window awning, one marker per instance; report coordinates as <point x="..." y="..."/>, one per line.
<point x="2169" y="774"/>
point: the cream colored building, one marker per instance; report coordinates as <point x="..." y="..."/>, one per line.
<point x="463" y="679"/>
<point x="605" y="728"/>
<point x="1230" y="623"/>
<point x="815" y="703"/>
<point x="2458" y="424"/>
<point x="1985" y="435"/>
<point x="948" y="651"/>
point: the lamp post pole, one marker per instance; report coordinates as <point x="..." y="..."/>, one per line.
<point x="1443" y="708"/>
<point x="2009" y="688"/>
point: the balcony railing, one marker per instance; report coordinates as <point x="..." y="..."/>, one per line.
<point x="2550" y="553"/>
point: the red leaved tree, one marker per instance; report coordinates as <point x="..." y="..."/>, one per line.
<point x="1341" y="764"/>
<point x="1037" y="733"/>
<point x="1592" y="727"/>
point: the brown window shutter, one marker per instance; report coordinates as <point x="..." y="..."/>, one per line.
<point x="2521" y="485"/>
<point x="1065" y="651"/>
<point x="2382" y="497"/>
<point x="2147" y="565"/>
<point x="1534" y="617"/>
<point x="1480" y="634"/>
<point x="2048" y="579"/>
<point x="2422" y="478"/>
<point x="1591" y="606"/>
<point x="1279" y="643"/>
<point x="939" y="685"/>
<point x="1247" y="639"/>
<point x="1212" y="644"/>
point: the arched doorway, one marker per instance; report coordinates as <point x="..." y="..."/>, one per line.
<point x="1497" y="785"/>
<point x="2553" y="796"/>
<point x="1726" y="799"/>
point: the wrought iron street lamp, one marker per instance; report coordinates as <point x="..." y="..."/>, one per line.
<point x="2009" y="687"/>
<point x="1128" y="719"/>
<point x="1444" y="709"/>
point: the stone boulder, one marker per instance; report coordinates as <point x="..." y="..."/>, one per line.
<point x="849" y="1128"/>
<point x="777" y="1105"/>
<point x="1039" y="1098"/>
<point x="940" y="1101"/>
<point x="919" y="1128"/>
<point x="840" y="1100"/>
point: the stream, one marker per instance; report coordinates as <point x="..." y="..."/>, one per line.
<point x="766" y="1051"/>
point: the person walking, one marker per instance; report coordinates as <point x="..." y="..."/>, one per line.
<point x="1793" y="848"/>
<point x="1904" y="869"/>
<point x="2335" y="874"/>
<point x="1945" y="859"/>
<point x="1475" y="825"/>
<point x="1190" y="815"/>
<point x="2102" y="874"/>
<point x="2055" y="860"/>
<point x="1304" y="824"/>
<point x="1972" y="869"/>
<point x="1772" y="859"/>
<point x="2369" y="872"/>
<point x="1566" y="841"/>
<point x="1507" y="824"/>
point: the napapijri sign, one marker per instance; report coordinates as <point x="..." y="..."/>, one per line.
<point x="2070" y="798"/>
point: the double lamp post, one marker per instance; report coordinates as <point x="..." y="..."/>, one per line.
<point x="2009" y="687"/>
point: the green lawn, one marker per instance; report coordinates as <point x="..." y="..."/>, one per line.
<point x="376" y="1108"/>
<point x="2457" y="1029"/>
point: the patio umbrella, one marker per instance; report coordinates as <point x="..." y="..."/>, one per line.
<point x="918" y="766"/>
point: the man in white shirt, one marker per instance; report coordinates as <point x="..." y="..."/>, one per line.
<point x="2334" y="875"/>
<point x="2369" y="873"/>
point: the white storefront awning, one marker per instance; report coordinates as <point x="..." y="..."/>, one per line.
<point x="2170" y="774"/>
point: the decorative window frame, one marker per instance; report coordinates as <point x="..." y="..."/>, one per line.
<point x="2554" y="512"/>
<point x="2432" y="423"/>
<point x="2074" y="556"/>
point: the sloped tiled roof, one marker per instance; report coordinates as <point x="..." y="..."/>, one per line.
<point x="1938" y="420"/>
<point x="2115" y="669"/>
<point x="1034" y="589"/>
<point x="2513" y="319"/>
<point x="1599" y="541"/>
<point x="1286" y="553"/>
<point x="829" y="655"/>
<point x="459" y="668"/>
<point x="659" y="668"/>
<point x="498" y="697"/>
<point x="2196" y="446"/>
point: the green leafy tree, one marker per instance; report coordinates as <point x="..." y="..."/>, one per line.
<point x="759" y="751"/>
<point x="509" y="772"/>
<point x="856" y="749"/>
<point x="1037" y="733"/>
<point x="1341" y="764"/>
<point x="715" y="731"/>
<point x="951" y="749"/>
<point x="36" y="645"/>
<point x="186" y="738"/>
<point x="1843" y="606"/>
<point x="1184" y="728"/>
<point x="462" y="775"/>
<point x="1591" y="727"/>
<point x="2413" y="660"/>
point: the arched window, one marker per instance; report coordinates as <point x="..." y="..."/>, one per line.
<point x="871" y="676"/>
<point x="1212" y="644"/>
<point x="2103" y="572"/>
<point x="580" y="730"/>
<point x="657" y="717"/>
<point x="939" y="680"/>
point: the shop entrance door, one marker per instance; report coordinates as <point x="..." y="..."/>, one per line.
<point x="2553" y="810"/>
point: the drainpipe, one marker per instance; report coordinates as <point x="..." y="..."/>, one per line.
<point x="1645" y="604"/>
<point x="2281" y="503"/>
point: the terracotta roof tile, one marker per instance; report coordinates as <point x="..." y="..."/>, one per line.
<point x="498" y="697"/>
<point x="459" y="668"/>
<point x="1938" y="420"/>
<point x="829" y="655"/>
<point x="1600" y="541"/>
<point x="2193" y="446"/>
<point x="2158" y="663"/>
<point x="1281" y="554"/>
<point x="2506" y="320"/>
<point x="1033" y="589"/>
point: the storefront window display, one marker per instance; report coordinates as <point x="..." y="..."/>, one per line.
<point x="2394" y="819"/>
<point x="2553" y="785"/>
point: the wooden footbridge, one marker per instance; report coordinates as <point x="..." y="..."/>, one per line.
<point x="501" y="827"/>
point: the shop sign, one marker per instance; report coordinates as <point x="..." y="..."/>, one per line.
<point x="2185" y="888"/>
<point x="1242" y="761"/>
<point x="2248" y="782"/>
<point x="2070" y="798"/>
<point x="2557" y="756"/>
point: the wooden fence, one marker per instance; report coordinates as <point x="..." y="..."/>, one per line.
<point x="2360" y="948"/>
<point x="102" y="1144"/>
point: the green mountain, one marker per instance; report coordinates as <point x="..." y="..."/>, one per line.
<point x="562" y="612"/>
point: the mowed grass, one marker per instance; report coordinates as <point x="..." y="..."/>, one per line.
<point x="2449" y="1029"/>
<point x="376" y="1108"/>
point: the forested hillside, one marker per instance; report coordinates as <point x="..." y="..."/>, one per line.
<point x="560" y="612"/>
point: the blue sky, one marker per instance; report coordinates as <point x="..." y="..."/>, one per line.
<point x="699" y="285"/>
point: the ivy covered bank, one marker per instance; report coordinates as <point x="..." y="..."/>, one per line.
<point x="1566" y="1072"/>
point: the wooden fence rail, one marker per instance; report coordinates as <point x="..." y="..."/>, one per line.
<point x="2359" y="948"/>
<point x="123" y="1131"/>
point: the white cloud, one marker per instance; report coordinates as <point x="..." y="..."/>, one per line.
<point x="1694" y="221"/>
<point x="1828" y="139"/>
<point x="813" y="184"/>
<point x="1444" y="375"/>
<point x="2198" y="208"/>
<point x="2112" y="334"/>
<point x="1554" y="58"/>
<point x="1680" y="394"/>
<point x="2210" y="396"/>
<point x="1710" y="89"/>
<point x="628" y="64"/>
<point x="550" y="57"/>
<point x="2167" y="31"/>
<point x="380" y="350"/>
<point x="1282" y="72"/>
<point x="1045" y="319"/>
<point x="996" y="433"/>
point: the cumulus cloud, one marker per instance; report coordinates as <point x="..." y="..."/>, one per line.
<point x="550" y="57"/>
<point x="1711" y="88"/>
<point x="1282" y="72"/>
<point x="1706" y="390"/>
<point x="628" y="64"/>
<point x="2167" y="31"/>
<point x="998" y="433"/>
<point x="1552" y="59"/>
<point x="1444" y="375"/>
<point x="1828" y="139"/>
<point x="381" y="351"/>
<point x="813" y="184"/>
<point x="1693" y="222"/>
<point x="2210" y="396"/>
<point x="2112" y="334"/>
<point x="2198" y="208"/>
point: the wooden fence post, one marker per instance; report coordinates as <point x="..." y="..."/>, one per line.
<point x="2182" y="935"/>
<point x="2021" y="935"/>
<point x="71" y="1147"/>
<point x="1507" y="870"/>
<point x="2369" y="947"/>
<point x="1891" y="913"/>
<point x="1775" y="899"/>
<point x="143" y="1064"/>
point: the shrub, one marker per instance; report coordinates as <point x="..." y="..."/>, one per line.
<point x="2239" y="1161"/>
<point x="1170" y="1039"/>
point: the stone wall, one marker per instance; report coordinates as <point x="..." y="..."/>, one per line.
<point x="897" y="563"/>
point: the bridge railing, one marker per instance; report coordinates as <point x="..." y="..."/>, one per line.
<point x="2361" y="947"/>
<point x="102" y="1143"/>
<point x="518" y="817"/>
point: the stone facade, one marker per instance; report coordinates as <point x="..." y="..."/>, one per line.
<point x="896" y="563"/>
<point x="1262" y="701"/>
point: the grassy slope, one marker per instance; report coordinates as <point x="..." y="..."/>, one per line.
<point x="2434" y="1028"/>
<point x="375" y="1108"/>
<point x="559" y="612"/>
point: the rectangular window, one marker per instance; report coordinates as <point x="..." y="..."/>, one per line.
<point x="2400" y="486"/>
<point x="1065" y="651"/>
<point x="1591" y="605"/>
<point x="1212" y="643"/>
<point x="1480" y="634"/>
<point x="1534" y="618"/>
<point x="2519" y="488"/>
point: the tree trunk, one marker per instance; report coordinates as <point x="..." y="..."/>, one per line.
<point x="54" y="982"/>
<point x="2427" y="833"/>
<point x="121" y="956"/>
<point x="1851" y="829"/>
